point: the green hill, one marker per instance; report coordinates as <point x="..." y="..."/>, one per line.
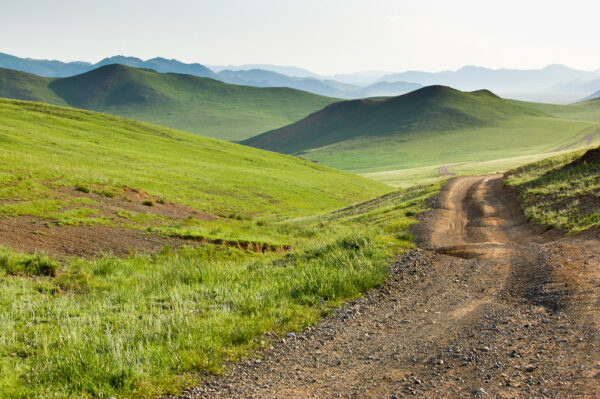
<point x="26" y="86"/>
<point x="432" y="126"/>
<point x="67" y="145"/>
<point x="199" y="105"/>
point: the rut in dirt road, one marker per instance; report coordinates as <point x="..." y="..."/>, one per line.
<point x="490" y="307"/>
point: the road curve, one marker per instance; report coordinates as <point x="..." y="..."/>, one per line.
<point x="491" y="306"/>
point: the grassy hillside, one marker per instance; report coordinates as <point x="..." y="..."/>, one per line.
<point x="102" y="150"/>
<point x="561" y="192"/>
<point x="431" y="127"/>
<point x="266" y="251"/>
<point x="582" y="111"/>
<point x="434" y="108"/>
<point x="25" y="86"/>
<point x="185" y="102"/>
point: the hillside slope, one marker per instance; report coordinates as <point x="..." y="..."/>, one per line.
<point x="561" y="192"/>
<point x="26" y="86"/>
<point x="68" y="146"/>
<point x="430" y="126"/>
<point x="581" y="111"/>
<point x="199" y="105"/>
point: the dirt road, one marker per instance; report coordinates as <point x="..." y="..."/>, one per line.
<point x="489" y="307"/>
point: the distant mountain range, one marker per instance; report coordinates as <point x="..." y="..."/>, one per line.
<point x="268" y="76"/>
<point x="186" y="102"/>
<point x="58" y="69"/>
<point x="553" y="84"/>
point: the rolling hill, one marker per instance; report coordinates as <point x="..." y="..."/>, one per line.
<point x="432" y="126"/>
<point x="199" y="105"/>
<point x="205" y="173"/>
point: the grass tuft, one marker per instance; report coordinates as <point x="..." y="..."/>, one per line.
<point x="28" y="265"/>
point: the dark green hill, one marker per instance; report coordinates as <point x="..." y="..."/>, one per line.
<point x="430" y="127"/>
<point x="26" y="86"/>
<point x="200" y="105"/>
<point x="433" y="108"/>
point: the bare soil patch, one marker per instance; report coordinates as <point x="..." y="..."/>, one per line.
<point x="492" y="306"/>
<point x="31" y="235"/>
<point x="133" y="200"/>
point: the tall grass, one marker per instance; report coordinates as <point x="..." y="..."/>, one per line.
<point x="143" y="326"/>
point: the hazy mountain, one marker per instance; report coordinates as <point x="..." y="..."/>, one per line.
<point x="361" y="78"/>
<point x="284" y="70"/>
<point x="387" y="89"/>
<point x="58" y="69"/>
<point x="535" y="85"/>
<point x="47" y="68"/>
<point x="262" y="78"/>
<point x="552" y="84"/>
<point x="257" y="75"/>
<point x="331" y="88"/>
<point x="159" y="64"/>
<point x="593" y="96"/>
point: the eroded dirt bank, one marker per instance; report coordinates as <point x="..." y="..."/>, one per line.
<point x="491" y="306"/>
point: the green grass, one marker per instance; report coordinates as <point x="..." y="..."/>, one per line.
<point x="559" y="193"/>
<point x="147" y="325"/>
<point x="429" y="128"/>
<point x="46" y="147"/>
<point x="199" y="105"/>
<point x="431" y="174"/>
<point x="518" y="138"/>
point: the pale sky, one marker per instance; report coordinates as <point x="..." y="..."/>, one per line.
<point x="326" y="36"/>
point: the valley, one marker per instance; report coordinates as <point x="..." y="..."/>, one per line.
<point x="418" y="133"/>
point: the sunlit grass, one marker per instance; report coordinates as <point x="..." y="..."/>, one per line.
<point x="559" y="196"/>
